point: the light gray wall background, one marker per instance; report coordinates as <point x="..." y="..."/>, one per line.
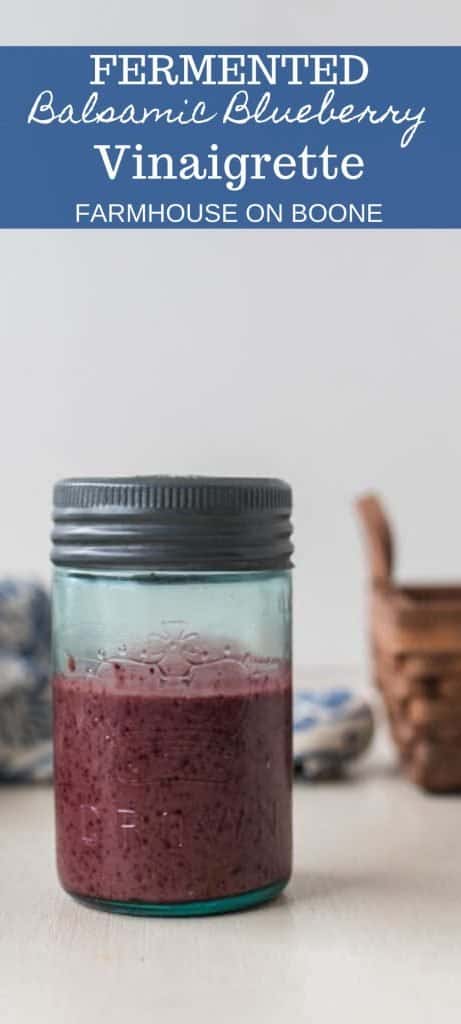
<point x="330" y="358"/>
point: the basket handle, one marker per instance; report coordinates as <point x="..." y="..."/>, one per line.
<point x="378" y="536"/>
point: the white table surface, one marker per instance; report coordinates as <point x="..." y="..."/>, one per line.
<point x="369" y="930"/>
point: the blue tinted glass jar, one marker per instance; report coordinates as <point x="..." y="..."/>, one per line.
<point x="172" y="692"/>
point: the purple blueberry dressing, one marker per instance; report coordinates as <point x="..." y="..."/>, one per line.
<point x="171" y="794"/>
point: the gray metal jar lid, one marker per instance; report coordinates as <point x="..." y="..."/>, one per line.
<point x="172" y="522"/>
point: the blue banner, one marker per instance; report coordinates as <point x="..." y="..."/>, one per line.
<point x="297" y="137"/>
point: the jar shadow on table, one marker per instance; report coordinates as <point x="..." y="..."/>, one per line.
<point x="315" y="886"/>
<point x="373" y="888"/>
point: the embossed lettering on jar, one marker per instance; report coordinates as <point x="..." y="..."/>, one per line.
<point x="172" y="692"/>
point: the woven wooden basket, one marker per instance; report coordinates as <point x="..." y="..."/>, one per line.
<point x="416" y="652"/>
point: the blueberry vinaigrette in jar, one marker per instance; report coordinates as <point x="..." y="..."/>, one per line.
<point x="172" y="692"/>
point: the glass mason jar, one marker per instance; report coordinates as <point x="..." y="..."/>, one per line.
<point x="172" y="692"/>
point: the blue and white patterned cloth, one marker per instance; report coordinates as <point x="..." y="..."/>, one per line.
<point x="25" y="700"/>
<point x="330" y="729"/>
